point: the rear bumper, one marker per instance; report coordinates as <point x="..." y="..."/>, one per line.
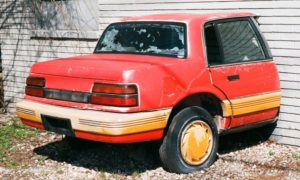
<point x="98" y="125"/>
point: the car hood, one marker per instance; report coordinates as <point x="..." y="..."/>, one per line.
<point x="115" y="67"/>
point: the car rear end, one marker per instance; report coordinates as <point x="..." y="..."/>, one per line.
<point x="77" y="113"/>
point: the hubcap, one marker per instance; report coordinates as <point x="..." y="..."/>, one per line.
<point x="196" y="142"/>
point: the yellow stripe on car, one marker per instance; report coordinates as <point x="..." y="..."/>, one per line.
<point x="106" y="123"/>
<point x="250" y="104"/>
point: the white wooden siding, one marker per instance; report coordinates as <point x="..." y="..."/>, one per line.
<point x="279" y="21"/>
<point x="20" y="49"/>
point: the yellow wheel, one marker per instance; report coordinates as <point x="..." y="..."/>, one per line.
<point x="196" y="142"/>
<point x="191" y="142"/>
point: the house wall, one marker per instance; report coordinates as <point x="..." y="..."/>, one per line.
<point x="22" y="43"/>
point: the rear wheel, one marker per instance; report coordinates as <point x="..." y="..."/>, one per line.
<point x="191" y="142"/>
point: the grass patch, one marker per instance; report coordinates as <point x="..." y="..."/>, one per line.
<point x="101" y="175"/>
<point x="296" y="155"/>
<point x="135" y="175"/>
<point x="60" y="171"/>
<point x="271" y="153"/>
<point x="12" y="132"/>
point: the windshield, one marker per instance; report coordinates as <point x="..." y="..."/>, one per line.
<point x="154" y="38"/>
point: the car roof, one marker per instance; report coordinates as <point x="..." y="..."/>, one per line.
<point x="188" y="17"/>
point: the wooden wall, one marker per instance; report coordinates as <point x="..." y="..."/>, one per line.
<point x="23" y="43"/>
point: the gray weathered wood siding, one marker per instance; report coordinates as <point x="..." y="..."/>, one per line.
<point x="280" y="23"/>
<point x="21" y="45"/>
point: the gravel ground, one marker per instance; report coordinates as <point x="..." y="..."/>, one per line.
<point x="241" y="156"/>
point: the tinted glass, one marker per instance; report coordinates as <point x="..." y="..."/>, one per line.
<point x="239" y="42"/>
<point x="212" y="46"/>
<point x="144" y="38"/>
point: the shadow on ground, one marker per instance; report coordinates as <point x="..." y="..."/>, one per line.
<point x="132" y="158"/>
<point x="112" y="158"/>
<point x="238" y="141"/>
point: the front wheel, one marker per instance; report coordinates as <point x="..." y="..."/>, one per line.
<point x="191" y="142"/>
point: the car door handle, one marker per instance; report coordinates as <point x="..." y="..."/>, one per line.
<point x="233" y="77"/>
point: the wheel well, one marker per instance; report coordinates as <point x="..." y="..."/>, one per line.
<point x="209" y="102"/>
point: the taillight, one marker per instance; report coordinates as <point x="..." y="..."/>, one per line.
<point x="114" y="95"/>
<point x="114" y="89"/>
<point x="35" y="81"/>
<point x="35" y="86"/>
<point x="34" y="91"/>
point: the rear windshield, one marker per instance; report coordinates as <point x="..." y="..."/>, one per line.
<point x="153" y="38"/>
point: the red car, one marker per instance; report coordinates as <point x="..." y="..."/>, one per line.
<point x="184" y="79"/>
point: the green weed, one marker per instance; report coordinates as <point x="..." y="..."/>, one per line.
<point x="135" y="175"/>
<point x="296" y="155"/>
<point x="271" y="153"/>
<point x="60" y="171"/>
<point x="10" y="133"/>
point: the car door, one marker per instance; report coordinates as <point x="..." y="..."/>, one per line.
<point x="242" y="67"/>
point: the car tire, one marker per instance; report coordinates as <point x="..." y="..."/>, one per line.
<point x="191" y="142"/>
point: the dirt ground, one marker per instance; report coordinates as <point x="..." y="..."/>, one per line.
<point x="246" y="155"/>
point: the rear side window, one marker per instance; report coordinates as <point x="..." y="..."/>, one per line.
<point x="232" y="42"/>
